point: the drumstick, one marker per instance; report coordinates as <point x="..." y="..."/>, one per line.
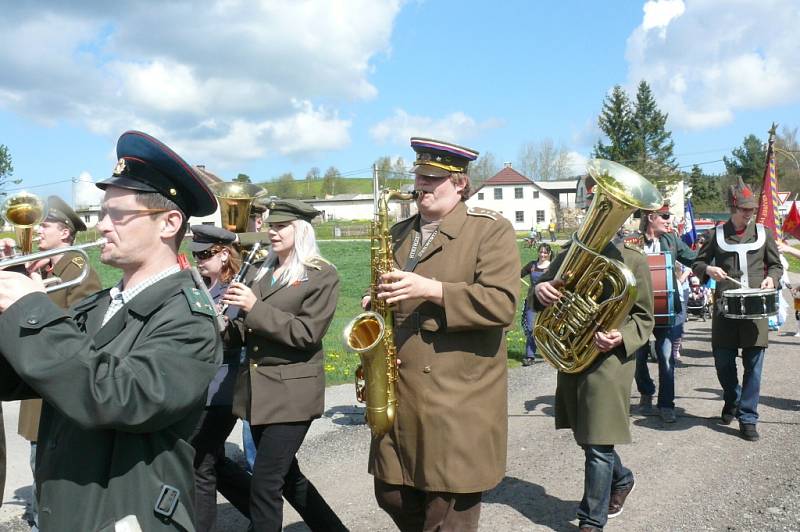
<point x="734" y="280"/>
<point x="526" y="283"/>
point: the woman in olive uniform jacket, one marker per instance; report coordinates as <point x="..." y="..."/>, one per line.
<point x="721" y="257"/>
<point x="595" y="403"/>
<point x="282" y="389"/>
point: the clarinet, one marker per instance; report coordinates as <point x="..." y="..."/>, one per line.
<point x="246" y="265"/>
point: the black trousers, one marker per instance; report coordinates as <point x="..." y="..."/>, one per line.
<point x="414" y="510"/>
<point x="276" y="475"/>
<point x="2" y="456"/>
<point x="213" y="471"/>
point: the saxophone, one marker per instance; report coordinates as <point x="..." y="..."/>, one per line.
<point x="597" y="292"/>
<point x="371" y="334"/>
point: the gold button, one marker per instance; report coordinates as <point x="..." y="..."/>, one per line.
<point x="426" y="369"/>
<point x="249" y="330"/>
<point x="255" y="349"/>
<point x="253" y="365"/>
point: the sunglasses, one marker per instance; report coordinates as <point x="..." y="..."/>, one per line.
<point x="117" y="215"/>
<point x="664" y="215"/>
<point x="205" y="254"/>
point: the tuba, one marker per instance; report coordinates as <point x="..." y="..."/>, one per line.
<point x="371" y="334"/>
<point x="597" y="292"/>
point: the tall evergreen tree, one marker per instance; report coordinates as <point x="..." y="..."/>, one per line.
<point x="705" y="193"/>
<point x="747" y="161"/>
<point x="652" y="143"/>
<point x="616" y="122"/>
<point x="6" y="168"/>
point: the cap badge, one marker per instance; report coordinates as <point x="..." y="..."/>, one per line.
<point x="173" y="192"/>
<point x="271" y="205"/>
<point x="120" y="167"/>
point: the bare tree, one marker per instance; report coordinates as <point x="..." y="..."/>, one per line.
<point x="542" y="161"/>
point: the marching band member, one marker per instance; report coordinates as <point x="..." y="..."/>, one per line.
<point x="656" y="237"/>
<point x="746" y="252"/>
<point x="124" y="374"/>
<point x="455" y="288"/>
<point x="58" y="230"/>
<point x="218" y="262"/>
<point x="282" y="389"/>
<point x="595" y="402"/>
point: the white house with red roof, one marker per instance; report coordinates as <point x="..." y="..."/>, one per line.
<point x="519" y="199"/>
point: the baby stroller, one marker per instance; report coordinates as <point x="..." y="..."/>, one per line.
<point x="699" y="302"/>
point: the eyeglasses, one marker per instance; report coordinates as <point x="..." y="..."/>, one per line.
<point x="205" y="254"/>
<point x="117" y="215"/>
<point x="664" y="215"/>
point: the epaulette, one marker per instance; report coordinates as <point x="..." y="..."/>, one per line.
<point x="317" y="263"/>
<point x="199" y="302"/>
<point x="634" y="246"/>
<point x="480" y="211"/>
<point x="78" y="261"/>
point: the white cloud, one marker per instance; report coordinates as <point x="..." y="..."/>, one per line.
<point x="84" y="192"/>
<point x="455" y="127"/>
<point x="707" y="60"/>
<point x="576" y="163"/>
<point x="204" y="78"/>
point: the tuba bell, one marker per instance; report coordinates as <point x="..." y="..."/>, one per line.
<point x="235" y="200"/>
<point x="597" y="292"/>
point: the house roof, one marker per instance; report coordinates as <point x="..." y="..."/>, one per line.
<point x="507" y="176"/>
<point x="561" y="184"/>
<point x="208" y="177"/>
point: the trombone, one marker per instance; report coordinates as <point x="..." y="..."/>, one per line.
<point x="24" y="211"/>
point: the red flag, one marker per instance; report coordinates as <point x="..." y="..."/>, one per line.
<point x="768" y="214"/>
<point x="791" y="224"/>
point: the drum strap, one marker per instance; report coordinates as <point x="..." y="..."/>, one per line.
<point x="742" y="249"/>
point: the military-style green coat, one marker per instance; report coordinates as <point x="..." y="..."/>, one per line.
<point x="121" y="401"/>
<point x="284" y="379"/>
<point x="451" y="425"/>
<point x="761" y="262"/>
<point x="69" y="267"/>
<point x="595" y="403"/>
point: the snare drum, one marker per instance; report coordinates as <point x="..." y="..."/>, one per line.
<point x="750" y="303"/>
<point x="662" y="279"/>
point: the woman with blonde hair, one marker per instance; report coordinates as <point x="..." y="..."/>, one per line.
<point x="288" y="307"/>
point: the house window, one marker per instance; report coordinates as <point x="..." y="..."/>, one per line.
<point x="535" y="194"/>
<point x="539" y="217"/>
<point x="498" y="193"/>
<point x="87" y="218"/>
<point x="480" y="195"/>
<point x="518" y="193"/>
<point x="520" y="216"/>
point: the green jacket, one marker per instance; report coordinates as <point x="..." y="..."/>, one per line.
<point x="121" y="401"/>
<point x="595" y="403"/>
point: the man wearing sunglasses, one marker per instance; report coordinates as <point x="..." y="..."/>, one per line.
<point x="656" y="237"/>
<point x="124" y="374"/>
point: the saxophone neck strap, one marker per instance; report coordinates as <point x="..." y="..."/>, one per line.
<point x="416" y="252"/>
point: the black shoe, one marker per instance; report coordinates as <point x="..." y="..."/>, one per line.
<point x="748" y="431"/>
<point x="728" y="414"/>
<point x="528" y="361"/>
<point x="617" y="500"/>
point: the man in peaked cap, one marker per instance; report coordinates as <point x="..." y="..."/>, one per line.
<point x="58" y="230"/>
<point x="124" y="374"/>
<point x="744" y="251"/>
<point x="656" y="238"/>
<point x="454" y="288"/>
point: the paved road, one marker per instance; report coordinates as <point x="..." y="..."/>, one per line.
<point x="693" y="475"/>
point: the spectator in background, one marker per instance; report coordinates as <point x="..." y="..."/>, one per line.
<point x="552" y="229"/>
<point x="534" y="269"/>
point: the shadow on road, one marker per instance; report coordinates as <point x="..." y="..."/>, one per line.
<point x="532" y="501"/>
<point x="547" y="402"/>
<point x="346" y="415"/>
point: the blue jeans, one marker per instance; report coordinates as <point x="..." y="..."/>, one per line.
<point x="603" y="473"/>
<point x="746" y="395"/>
<point x="249" y="445"/>
<point x="666" y="367"/>
<point x="528" y="319"/>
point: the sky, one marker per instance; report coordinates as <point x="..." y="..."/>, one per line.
<point x="268" y="87"/>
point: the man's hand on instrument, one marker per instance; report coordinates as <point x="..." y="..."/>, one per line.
<point x="606" y="341"/>
<point x="547" y="292"/>
<point x="365" y="302"/>
<point x="398" y="285"/>
<point x="768" y="283"/>
<point x="716" y="273"/>
<point x="37" y="265"/>
<point x="7" y="247"/>
<point x="13" y="286"/>
<point x="240" y="295"/>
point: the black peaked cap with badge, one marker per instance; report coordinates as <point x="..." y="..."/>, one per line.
<point x="436" y="158"/>
<point x="287" y="210"/>
<point x="205" y="236"/>
<point x="146" y="164"/>
<point x="59" y="211"/>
